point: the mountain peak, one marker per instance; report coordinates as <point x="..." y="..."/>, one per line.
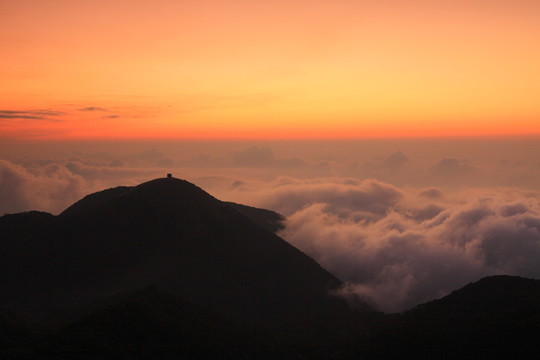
<point x="171" y="186"/>
<point x="157" y="192"/>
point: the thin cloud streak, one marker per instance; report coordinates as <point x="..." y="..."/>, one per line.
<point x="92" y="108"/>
<point x="29" y="114"/>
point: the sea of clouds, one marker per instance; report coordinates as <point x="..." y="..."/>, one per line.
<point x="398" y="247"/>
<point x="398" y="229"/>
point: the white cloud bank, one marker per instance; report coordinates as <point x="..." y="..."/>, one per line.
<point x="398" y="247"/>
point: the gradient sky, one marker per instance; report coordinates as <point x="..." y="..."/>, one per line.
<point x="108" y="69"/>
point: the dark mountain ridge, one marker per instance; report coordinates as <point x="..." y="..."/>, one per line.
<point x="269" y="220"/>
<point x="166" y="232"/>
<point x="497" y="317"/>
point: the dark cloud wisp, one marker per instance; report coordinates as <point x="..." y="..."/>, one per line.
<point x="29" y="114"/>
<point x="92" y="108"/>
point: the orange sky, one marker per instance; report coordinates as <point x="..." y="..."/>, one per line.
<point x="268" y="69"/>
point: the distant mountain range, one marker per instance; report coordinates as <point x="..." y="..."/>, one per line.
<point x="164" y="270"/>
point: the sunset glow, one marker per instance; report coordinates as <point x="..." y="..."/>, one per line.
<point x="217" y="69"/>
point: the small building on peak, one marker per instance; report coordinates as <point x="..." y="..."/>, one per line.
<point x="169" y="176"/>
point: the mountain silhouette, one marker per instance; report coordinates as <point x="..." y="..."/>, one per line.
<point x="495" y="317"/>
<point x="166" y="232"/>
<point x="164" y="270"/>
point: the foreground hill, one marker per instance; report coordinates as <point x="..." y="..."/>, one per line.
<point x="165" y="232"/>
<point x="149" y="323"/>
<point x="496" y="317"/>
<point x="493" y="318"/>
